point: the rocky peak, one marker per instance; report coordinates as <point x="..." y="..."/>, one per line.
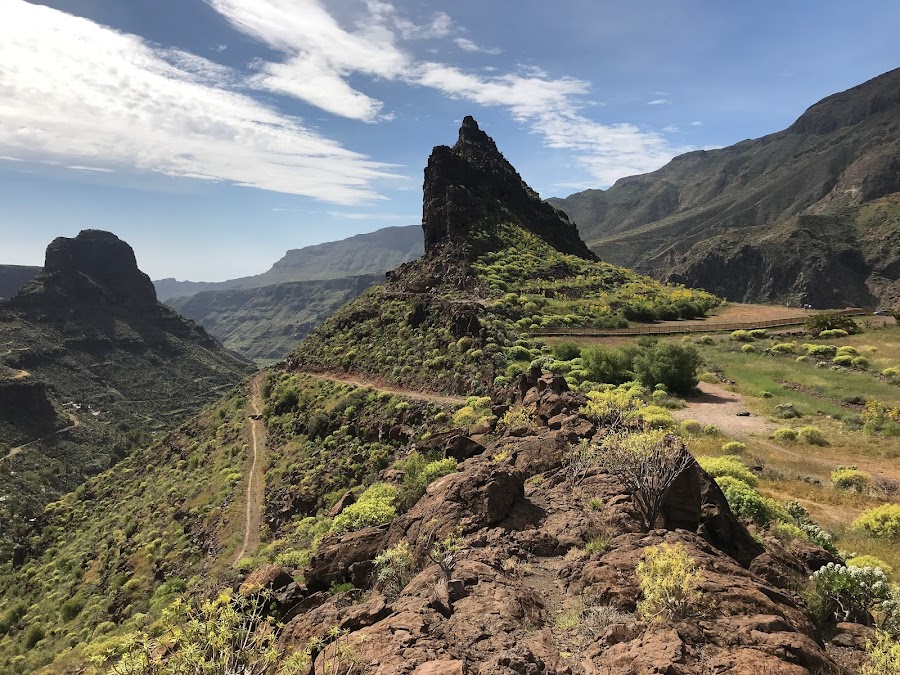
<point x="95" y="266"/>
<point x="878" y="95"/>
<point x="471" y="187"/>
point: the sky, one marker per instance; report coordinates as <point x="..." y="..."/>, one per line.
<point x="213" y="135"/>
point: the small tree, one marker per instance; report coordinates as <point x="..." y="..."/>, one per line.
<point x="647" y="464"/>
<point x="831" y="321"/>
<point x="668" y="363"/>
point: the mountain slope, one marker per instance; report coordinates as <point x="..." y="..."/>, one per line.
<point x="266" y="323"/>
<point x="90" y="364"/>
<point x="14" y="277"/>
<point x="787" y="217"/>
<point x="363" y="254"/>
<point x="404" y="536"/>
<point x="498" y="260"/>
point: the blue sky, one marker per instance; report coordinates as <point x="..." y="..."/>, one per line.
<point x="213" y="135"/>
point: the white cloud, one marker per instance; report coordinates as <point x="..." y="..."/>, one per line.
<point x="659" y="101"/>
<point x="671" y="129"/>
<point x="72" y="89"/>
<point x="321" y="55"/>
<point x="10" y="159"/>
<point x="468" y="46"/>
<point x="96" y="169"/>
<point x="696" y="124"/>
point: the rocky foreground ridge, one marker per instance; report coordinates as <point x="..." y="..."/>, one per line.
<point x="523" y="594"/>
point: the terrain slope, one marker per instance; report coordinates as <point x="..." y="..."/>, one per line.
<point x="402" y="532"/>
<point x="91" y="364"/>
<point x="808" y="215"/>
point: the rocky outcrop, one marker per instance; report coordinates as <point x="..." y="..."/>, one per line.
<point x="524" y="596"/>
<point x="471" y="187"/>
<point x="96" y="267"/>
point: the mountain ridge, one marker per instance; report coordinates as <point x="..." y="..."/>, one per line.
<point x="744" y="207"/>
<point x="362" y="254"/>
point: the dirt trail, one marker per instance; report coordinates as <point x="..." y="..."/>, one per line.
<point x="720" y="407"/>
<point x="378" y="386"/>
<point x="15" y="451"/>
<point x="256" y="478"/>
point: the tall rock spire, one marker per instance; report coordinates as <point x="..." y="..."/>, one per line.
<point x="471" y="187"/>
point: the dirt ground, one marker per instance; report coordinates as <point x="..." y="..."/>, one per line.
<point x="720" y="407"/>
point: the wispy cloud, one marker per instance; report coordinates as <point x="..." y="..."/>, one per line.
<point x="95" y="169"/>
<point x="468" y="46"/>
<point x="659" y="101"/>
<point x="10" y="159"/>
<point x="72" y="88"/>
<point x="321" y="55"/>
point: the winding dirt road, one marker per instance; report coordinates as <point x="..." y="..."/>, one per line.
<point x="256" y="479"/>
<point x="15" y="451"/>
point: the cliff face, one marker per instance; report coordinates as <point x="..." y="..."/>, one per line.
<point x="801" y="202"/>
<point x="470" y="187"/>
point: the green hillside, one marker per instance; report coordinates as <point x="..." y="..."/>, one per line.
<point x="779" y="218"/>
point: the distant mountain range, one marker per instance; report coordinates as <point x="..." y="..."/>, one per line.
<point x="266" y="323"/>
<point x="370" y="253"/>
<point x="14" y="277"/>
<point x="810" y="214"/>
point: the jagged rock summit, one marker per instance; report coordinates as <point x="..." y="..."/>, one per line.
<point x="471" y="187"/>
<point x="94" y="267"/>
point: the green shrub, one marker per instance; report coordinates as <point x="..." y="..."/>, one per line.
<point x="825" y="321"/>
<point x="711" y="430"/>
<point x="850" y="592"/>
<point x="883" y="656"/>
<point x="870" y="561"/>
<point x="833" y="334"/>
<point x="785" y="435"/>
<point x="708" y="377"/>
<point x="597" y="545"/>
<point x="748" y="349"/>
<point x="519" y="353"/>
<point x="811" y="435"/>
<point x="802" y="359"/>
<point x="566" y="351"/>
<point x="607" y="365"/>
<point x="375" y="506"/>
<point x="784" y="348"/>
<point x="759" y="333"/>
<point x="691" y="427"/>
<point x="746" y="503"/>
<point x="706" y="340"/>
<point x="70" y="609"/>
<point x="669" y="364"/>
<point x="891" y="372"/>
<point x="670" y="583"/>
<point x="845" y="360"/>
<point x="860" y="362"/>
<point x="847" y="349"/>
<point x="787" y="411"/>
<point x="734" y="447"/>
<point x="881" y="522"/>
<point x="823" y="351"/>
<point x="741" y="336"/>
<point x="33" y="635"/>
<point x="851" y="478"/>
<point x="393" y="569"/>
<point x="728" y="465"/>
